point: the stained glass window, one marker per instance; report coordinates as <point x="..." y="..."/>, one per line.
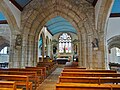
<point x="65" y="43"/>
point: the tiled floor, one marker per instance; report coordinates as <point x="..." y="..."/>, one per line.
<point x="50" y="82"/>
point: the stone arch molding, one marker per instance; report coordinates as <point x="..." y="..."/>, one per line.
<point x="114" y="42"/>
<point x="10" y="17"/>
<point x="37" y="14"/>
<point x="103" y="16"/>
<point x="81" y="16"/>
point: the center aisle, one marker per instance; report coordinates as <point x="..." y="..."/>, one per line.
<point x="50" y="82"/>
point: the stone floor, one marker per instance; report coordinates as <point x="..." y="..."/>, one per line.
<point x="50" y="82"/>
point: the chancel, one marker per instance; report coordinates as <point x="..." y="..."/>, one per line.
<point x="59" y="44"/>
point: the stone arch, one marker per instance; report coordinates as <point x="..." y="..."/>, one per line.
<point x="43" y="45"/>
<point x="103" y="16"/>
<point x="75" y="14"/>
<point x="10" y="17"/>
<point x="114" y="42"/>
<point x="3" y="43"/>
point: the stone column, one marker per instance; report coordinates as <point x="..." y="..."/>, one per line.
<point x="98" y="56"/>
<point x="25" y="50"/>
<point x="51" y="51"/>
<point x="43" y="50"/>
<point x="82" y="47"/>
<point x="35" y="56"/>
<point x="30" y="52"/>
<point x="15" y="52"/>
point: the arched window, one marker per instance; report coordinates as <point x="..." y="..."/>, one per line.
<point x="117" y="52"/>
<point x="65" y="43"/>
<point x="4" y="50"/>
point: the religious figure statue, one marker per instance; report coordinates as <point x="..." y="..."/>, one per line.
<point x="18" y="40"/>
<point x="95" y="44"/>
<point x="64" y="49"/>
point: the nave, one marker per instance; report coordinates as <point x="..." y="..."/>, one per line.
<point x="37" y="35"/>
<point x="50" y="82"/>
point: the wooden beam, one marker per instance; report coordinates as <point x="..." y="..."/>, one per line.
<point x="94" y="2"/>
<point x="3" y="22"/>
<point x="114" y="15"/>
<point x="16" y="4"/>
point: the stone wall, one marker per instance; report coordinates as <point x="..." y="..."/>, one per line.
<point x="79" y="13"/>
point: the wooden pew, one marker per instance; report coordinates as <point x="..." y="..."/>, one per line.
<point x="96" y="80"/>
<point x="48" y="70"/>
<point x="50" y="66"/>
<point x="88" y="74"/>
<point x="98" y="70"/>
<point x="32" y="76"/>
<point x="8" y="85"/>
<point x="77" y="86"/>
<point x="74" y="68"/>
<point x="20" y="80"/>
<point x="43" y="70"/>
<point x="39" y="72"/>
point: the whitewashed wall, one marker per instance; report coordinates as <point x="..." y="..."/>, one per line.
<point x="113" y="29"/>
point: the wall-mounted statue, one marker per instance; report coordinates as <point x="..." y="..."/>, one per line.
<point x="18" y="41"/>
<point x="95" y="44"/>
<point x="54" y="49"/>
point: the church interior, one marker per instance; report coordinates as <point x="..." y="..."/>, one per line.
<point x="59" y="44"/>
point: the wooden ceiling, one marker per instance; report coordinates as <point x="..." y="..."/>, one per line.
<point x="20" y="4"/>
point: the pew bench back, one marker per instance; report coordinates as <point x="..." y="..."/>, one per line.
<point x="19" y="79"/>
<point x="89" y="74"/>
<point x="77" y="86"/>
<point x="98" y="71"/>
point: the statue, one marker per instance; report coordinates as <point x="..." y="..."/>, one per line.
<point x="95" y="44"/>
<point x="18" y="41"/>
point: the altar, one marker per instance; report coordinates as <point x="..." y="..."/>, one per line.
<point x="61" y="60"/>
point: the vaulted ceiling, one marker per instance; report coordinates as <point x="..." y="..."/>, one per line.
<point x="59" y="24"/>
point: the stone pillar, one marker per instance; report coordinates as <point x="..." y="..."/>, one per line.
<point x="30" y="52"/>
<point x="43" y="50"/>
<point x="83" y="50"/>
<point x="25" y="50"/>
<point x="51" y="51"/>
<point x="79" y="52"/>
<point x="15" y="52"/>
<point x="35" y="56"/>
<point x="98" y="56"/>
<point x="82" y="47"/>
